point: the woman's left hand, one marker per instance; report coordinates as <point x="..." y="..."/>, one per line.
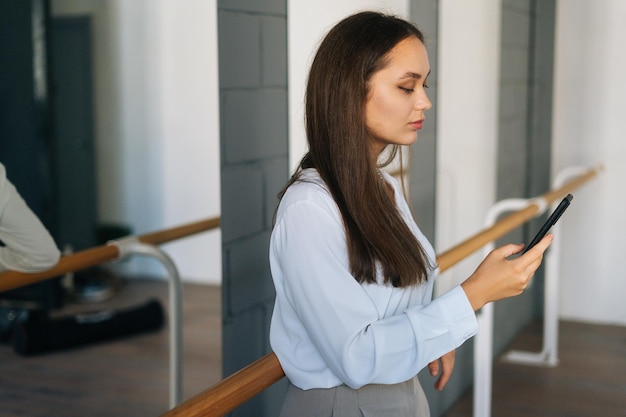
<point x="447" y="366"/>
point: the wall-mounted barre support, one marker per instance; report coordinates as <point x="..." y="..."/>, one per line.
<point x="130" y="246"/>
<point x="548" y="356"/>
<point x="483" y="341"/>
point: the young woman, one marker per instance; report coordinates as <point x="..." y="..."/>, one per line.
<point x="353" y="321"/>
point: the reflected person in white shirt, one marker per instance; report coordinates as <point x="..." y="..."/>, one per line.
<point x="354" y="320"/>
<point x="28" y="246"/>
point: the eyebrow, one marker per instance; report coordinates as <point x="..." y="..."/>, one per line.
<point x="414" y="75"/>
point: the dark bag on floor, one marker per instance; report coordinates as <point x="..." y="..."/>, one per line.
<point x="39" y="336"/>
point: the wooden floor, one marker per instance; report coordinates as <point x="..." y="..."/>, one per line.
<point x="589" y="381"/>
<point x="127" y="377"/>
<point x="130" y="377"/>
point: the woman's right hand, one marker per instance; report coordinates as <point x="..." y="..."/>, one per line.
<point x="498" y="277"/>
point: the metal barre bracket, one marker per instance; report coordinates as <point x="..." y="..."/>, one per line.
<point x="131" y="245"/>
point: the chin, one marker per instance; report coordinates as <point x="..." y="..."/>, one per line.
<point x="409" y="141"/>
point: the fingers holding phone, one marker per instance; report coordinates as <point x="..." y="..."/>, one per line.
<point x="533" y="257"/>
<point x="502" y="275"/>
<point x="498" y="277"/>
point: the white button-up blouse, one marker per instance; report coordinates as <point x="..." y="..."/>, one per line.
<point x="326" y="328"/>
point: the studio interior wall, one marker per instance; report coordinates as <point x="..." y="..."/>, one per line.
<point x="157" y="123"/>
<point x="467" y="125"/>
<point x="588" y="129"/>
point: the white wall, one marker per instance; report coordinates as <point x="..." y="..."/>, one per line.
<point x="589" y="128"/>
<point x="190" y="123"/>
<point x="308" y="22"/>
<point x="467" y="125"/>
<point x="157" y="122"/>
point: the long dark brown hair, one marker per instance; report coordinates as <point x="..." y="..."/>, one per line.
<point x="339" y="147"/>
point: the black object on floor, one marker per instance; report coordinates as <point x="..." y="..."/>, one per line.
<point x="13" y="312"/>
<point x="40" y="336"/>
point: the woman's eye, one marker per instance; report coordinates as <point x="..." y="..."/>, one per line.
<point x="406" y="90"/>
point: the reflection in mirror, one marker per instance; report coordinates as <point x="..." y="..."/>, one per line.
<point x="134" y="104"/>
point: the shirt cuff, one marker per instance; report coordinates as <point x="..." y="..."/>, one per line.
<point x="457" y="309"/>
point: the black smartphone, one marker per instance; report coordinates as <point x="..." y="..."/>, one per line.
<point x="556" y="214"/>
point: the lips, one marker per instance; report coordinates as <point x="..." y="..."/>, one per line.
<point x="417" y="125"/>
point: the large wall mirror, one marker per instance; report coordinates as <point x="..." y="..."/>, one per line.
<point x="109" y="124"/>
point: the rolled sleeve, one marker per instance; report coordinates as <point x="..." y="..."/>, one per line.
<point x="443" y="325"/>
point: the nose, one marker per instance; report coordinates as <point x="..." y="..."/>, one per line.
<point x="422" y="103"/>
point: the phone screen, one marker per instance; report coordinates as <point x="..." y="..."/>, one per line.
<point x="556" y="214"/>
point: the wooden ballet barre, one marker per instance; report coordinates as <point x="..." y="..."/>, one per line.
<point x="163" y="236"/>
<point x="244" y="384"/>
<point x="508" y="223"/>
<point x="232" y="391"/>
<point x="94" y="256"/>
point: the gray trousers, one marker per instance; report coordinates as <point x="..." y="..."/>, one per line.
<point x="406" y="399"/>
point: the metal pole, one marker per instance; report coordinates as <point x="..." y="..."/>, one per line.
<point x="483" y="341"/>
<point x="132" y="246"/>
<point x="548" y="356"/>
